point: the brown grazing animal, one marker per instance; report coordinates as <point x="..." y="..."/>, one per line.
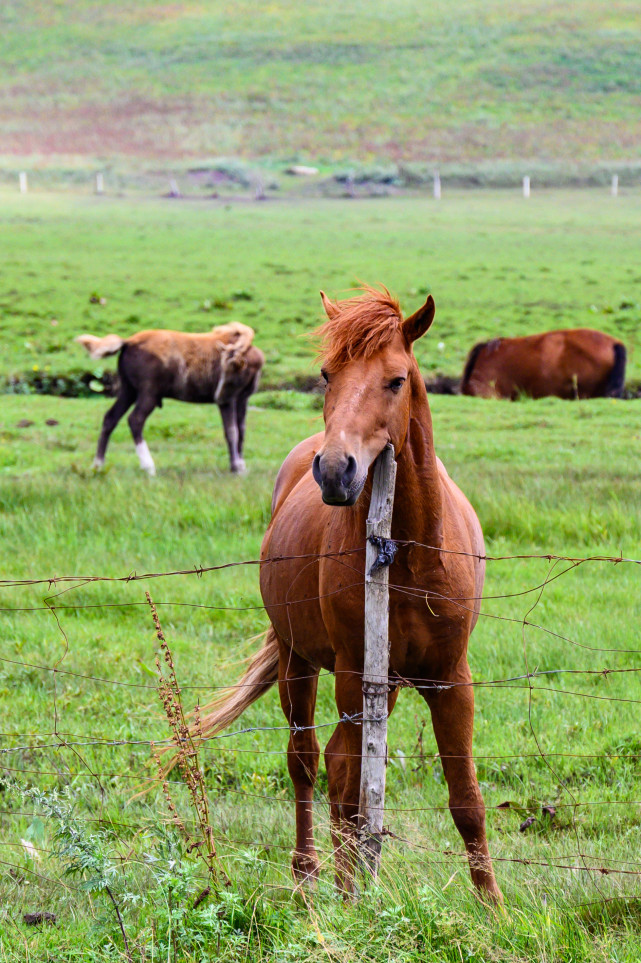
<point x="221" y="367"/>
<point x="569" y="364"/>
<point x="312" y="580"/>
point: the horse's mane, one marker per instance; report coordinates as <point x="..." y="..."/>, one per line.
<point x="359" y="326"/>
<point x="234" y="334"/>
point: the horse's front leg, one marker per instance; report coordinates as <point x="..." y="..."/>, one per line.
<point x="298" y="681"/>
<point x="453" y="720"/>
<point x="230" y="427"/>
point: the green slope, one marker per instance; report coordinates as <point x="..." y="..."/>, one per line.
<point x="402" y="80"/>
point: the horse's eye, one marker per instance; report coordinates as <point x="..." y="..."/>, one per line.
<point x="396" y="384"/>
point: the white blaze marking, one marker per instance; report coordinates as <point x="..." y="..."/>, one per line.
<point x="146" y="461"/>
<point x="98" y="462"/>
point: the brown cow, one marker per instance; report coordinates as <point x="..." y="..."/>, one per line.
<point x="579" y="363"/>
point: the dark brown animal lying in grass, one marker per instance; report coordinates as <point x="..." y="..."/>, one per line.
<point x="221" y="367"/>
<point x="569" y="364"/>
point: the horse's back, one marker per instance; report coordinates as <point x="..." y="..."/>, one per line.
<point x="170" y="364"/>
<point x="565" y="363"/>
<point x="296" y="464"/>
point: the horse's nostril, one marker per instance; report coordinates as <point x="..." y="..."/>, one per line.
<point x="350" y="471"/>
<point x="316" y="472"/>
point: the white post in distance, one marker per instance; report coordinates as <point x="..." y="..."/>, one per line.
<point x="22" y="179"/>
<point x="526" y="186"/>
<point x="376" y="664"/>
<point x="100" y="183"/>
<point x="437" y="186"/>
<point x="614" y="190"/>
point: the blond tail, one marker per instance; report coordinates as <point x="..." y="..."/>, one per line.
<point x="101" y="347"/>
<point x="260" y="676"/>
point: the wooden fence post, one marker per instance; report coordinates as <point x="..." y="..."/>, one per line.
<point x="22" y="181"/>
<point x="100" y="183"/>
<point x="614" y="188"/>
<point x="437" y="186"/>
<point x="376" y="665"/>
<point x="526" y="186"/>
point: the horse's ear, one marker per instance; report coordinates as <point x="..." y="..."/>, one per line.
<point x="330" y="308"/>
<point x="418" y="323"/>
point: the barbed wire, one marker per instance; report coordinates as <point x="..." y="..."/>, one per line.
<point x="61" y="740"/>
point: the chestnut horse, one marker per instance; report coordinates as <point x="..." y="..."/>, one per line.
<point x="569" y="364"/>
<point x="312" y="580"/>
<point x="221" y="366"/>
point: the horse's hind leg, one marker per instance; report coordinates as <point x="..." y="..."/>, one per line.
<point x="145" y="404"/>
<point x="453" y="720"/>
<point x="298" y="681"/>
<point x="123" y="402"/>
<point x="230" y="427"/>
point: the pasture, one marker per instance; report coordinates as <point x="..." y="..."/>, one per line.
<point x="544" y="477"/>
<point x="495" y="263"/>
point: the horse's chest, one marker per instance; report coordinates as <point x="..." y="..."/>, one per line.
<point x="428" y="632"/>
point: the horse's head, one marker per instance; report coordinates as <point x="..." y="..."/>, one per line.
<point x="367" y="361"/>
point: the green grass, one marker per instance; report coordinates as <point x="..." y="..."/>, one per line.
<point x="544" y="477"/>
<point x="402" y="82"/>
<point x="496" y="265"/>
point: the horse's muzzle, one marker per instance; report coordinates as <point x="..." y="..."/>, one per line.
<point x="337" y="479"/>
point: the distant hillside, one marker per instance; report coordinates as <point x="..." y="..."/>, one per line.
<point x="387" y="80"/>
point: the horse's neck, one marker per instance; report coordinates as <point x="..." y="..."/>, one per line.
<point x="418" y="500"/>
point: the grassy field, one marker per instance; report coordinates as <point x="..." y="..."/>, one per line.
<point x="545" y="477"/>
<point x="496" y="265"/>
<point x="462" y="81"/>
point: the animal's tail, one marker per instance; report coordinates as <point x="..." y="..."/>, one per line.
<point x="101" y="347"/>
<point x="469" y="366"/>
<point x="261" y="674"/>
<point x="616" y="379"/>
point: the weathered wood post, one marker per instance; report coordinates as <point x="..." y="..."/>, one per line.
<point x="379" y="555"/>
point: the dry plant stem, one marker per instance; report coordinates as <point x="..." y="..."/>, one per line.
<point x="186" y="754"/>
<point x="121" y="924"/>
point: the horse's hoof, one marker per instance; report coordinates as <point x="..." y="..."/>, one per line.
<point x="239" y="467"/>
<point x="305" y="870"/>
<point x="492" y="897"/>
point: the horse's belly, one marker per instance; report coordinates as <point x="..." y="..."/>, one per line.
<point x="193" y="389"/>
